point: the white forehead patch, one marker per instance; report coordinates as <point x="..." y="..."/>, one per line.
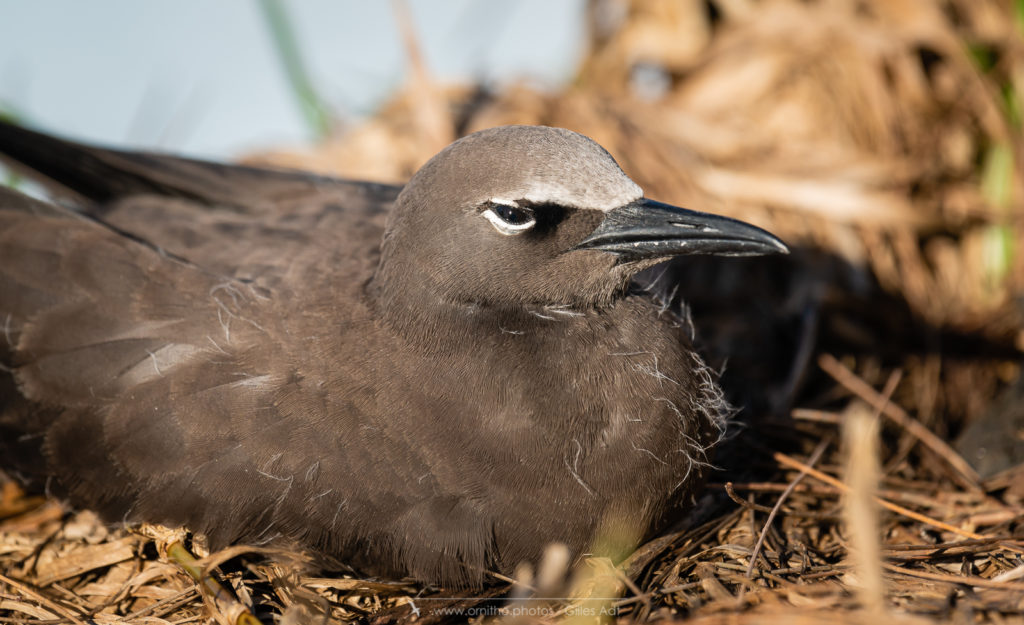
<point x="504" y="201"/>
<point x="537" y="164"/>
<point x="546" y="192"/>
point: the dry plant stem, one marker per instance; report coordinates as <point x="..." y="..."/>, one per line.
<point x="1011" y="575"/>
<point x="966" y="474"/>
<point x="509" y="580"/>
<point x="768" y="487"/>
<point x="793" y="463"/>
<point x="978" y="582"/>
<point x="28" y="592"/>
<point x="430" y="114"/>
<point x="860" y="436"/>
<point x="818" y="416"/>
<point x="639" y="594"/>
<point x="749" y="505"/>
<point x="221" y="598"/>
<point x="155" y="608"/>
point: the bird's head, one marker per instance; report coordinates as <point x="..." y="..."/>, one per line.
<point x="532" y="215"/>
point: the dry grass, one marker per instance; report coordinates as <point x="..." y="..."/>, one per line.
<point x="881" y="139"/>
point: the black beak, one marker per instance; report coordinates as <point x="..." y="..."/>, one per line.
<point x="649" y="229"/>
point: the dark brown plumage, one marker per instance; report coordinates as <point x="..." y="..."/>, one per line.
<point x="235" y="350"/>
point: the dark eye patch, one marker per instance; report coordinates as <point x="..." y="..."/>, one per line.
<point x="548" y="216"/>
<point x="551" y="219"/>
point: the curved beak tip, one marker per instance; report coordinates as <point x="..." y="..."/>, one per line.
<point x="780" y="246"/>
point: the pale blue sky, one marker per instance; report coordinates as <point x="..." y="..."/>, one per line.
<point x="202" y="77"/>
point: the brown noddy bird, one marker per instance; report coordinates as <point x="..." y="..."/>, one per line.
<point x="434" y="381"/>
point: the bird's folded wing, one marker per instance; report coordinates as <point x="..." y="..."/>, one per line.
<point x="127" y="370"/>
<point x="151" y="389"/>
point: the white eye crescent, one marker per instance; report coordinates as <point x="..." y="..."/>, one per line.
<point x="509" y="219"/>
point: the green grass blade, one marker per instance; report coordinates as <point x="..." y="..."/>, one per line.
<point x="283" y="35"/>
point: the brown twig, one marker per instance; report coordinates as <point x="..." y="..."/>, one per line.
<point x="831" y="481"/>
<point x="968" y="477"/>
<point x="977" y="582"/>
<point x="28" y="592"/>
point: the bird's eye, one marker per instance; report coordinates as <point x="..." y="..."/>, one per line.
<point x="508" y="218"/>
